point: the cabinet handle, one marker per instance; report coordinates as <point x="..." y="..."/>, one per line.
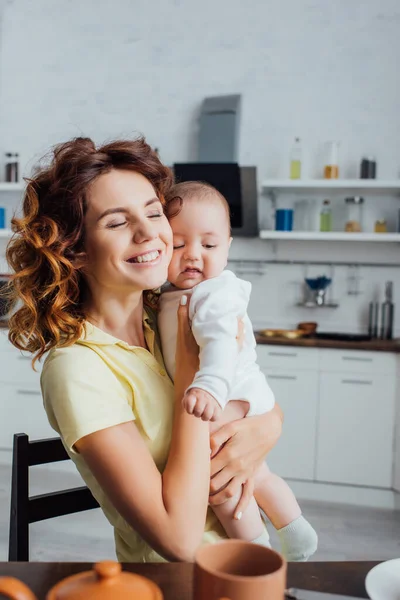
<point x="28" y="393"/>
<point x="357" y="381"/>
<point x="358" y="358"/>
<point x="282" y="353"/>
<point x="287" y="377"/>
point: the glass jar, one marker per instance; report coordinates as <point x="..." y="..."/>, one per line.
<point x="331" y="167"/>
<point x="354" y="214"/>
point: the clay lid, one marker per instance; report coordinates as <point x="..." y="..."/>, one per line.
<point x="105" y="582"/>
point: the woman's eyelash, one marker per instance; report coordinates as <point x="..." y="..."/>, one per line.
<point x="155" y="216"/>
<point x="115" y="225"/>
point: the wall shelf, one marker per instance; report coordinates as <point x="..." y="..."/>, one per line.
<point x="331" y="236"/>
<point x="364" y="185"/>
<point x="11" y="187"/>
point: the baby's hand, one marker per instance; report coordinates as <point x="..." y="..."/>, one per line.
<point x="201" y="404"/>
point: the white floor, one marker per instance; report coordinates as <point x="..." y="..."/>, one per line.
<point x="345" y="532"/>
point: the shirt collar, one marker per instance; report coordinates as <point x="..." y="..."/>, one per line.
<point x="96" y="336"/>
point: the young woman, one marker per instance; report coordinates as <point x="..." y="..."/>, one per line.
<point x="92" y="239"/>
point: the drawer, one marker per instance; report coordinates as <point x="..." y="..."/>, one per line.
<point x="353" y="361"/>
<point x="287" y="357"/>
<point x="16" y="367"/>
<point x="22" y="412"/>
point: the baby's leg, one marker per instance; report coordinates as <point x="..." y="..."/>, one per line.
<point x="297" y="537"/>
<point x="250" y="527"/>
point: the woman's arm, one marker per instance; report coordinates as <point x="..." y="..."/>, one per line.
<point x="168" y="510"/>
<point x="238" y="449"/>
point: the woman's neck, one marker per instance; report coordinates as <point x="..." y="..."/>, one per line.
<point x="120" y="317"/>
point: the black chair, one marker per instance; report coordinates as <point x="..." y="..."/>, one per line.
<point x="25" y="509"/>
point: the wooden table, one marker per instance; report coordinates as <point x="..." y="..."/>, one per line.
<point x="175" y="579"/>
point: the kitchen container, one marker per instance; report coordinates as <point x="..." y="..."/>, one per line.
<point x="325" y="217"/>
<point x="12" y="167"/>
<point x="380" y="226"/>
<point x="354" y="214"/>
<point x="295" y="160"/>
<point x="284" y="219"/>
<point x="2" y="217"/>
<point x="331" y="168"/>
<point x="368" y="168"/>
<point x="387" y="313"/>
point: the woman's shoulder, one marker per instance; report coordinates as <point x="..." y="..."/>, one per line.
<point x="73" y="360"/>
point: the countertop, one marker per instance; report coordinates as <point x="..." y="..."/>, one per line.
<point x="309" y="342"/>
<point x="371" y="345"/>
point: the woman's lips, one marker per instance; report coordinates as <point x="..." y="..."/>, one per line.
<point x="146" y="259"/>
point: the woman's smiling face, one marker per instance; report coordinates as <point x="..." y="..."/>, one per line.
<point x="128" y="239"/>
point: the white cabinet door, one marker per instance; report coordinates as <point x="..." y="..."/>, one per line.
<point x="297" y="394"/>
<point x="21" y="411"/>
<point x="355" y="429"/>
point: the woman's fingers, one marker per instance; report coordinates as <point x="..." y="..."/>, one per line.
<point x="232" y="489"/>
<point x="217" y="440"/>
<point x="247" y="494"/>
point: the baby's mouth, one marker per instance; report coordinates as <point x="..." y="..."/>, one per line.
<point x="192" y="270"/>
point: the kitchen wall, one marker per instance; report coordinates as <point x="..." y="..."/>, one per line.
<point x="304" y="67"/>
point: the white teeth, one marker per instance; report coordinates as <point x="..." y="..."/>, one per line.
<point x="147" y="257"/>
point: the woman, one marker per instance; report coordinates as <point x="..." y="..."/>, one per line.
<point x="92" y="239"/>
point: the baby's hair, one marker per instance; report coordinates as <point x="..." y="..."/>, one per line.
<point x="193" y="191"/>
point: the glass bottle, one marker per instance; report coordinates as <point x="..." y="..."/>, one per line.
<point x="331" y="170"/>
<point x="325" y="219"/>
<point x="295" y="160"/>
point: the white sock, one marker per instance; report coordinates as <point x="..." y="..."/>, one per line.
<point x="263" y="539"/>
<point x="298" y="540"/>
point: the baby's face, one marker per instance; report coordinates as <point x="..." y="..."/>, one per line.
<point x="201" y="243"/>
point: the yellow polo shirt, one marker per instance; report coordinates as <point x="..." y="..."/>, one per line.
<point x="101" y="381"/>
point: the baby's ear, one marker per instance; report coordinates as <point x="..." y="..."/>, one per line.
<point x="230" y="241"/>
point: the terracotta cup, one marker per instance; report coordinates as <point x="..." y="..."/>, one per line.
<point x="238" y="570"/>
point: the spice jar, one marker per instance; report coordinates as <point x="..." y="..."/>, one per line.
<point x="354" y="214"/>
<point x="380" y="226"/>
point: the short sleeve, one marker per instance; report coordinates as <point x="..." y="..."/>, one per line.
<point x="81" y="394"/>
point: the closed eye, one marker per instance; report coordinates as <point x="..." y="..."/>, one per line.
<point x="156" y="216"/>
<point x="115" y="225"/>
<point x="208" y="246"/>
<point x="177" y="247"/>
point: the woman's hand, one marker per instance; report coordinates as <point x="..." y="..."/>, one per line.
<point x="187" y="352"/>
<point x="238" y="449"/>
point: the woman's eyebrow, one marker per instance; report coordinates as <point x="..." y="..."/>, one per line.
<point x="121" y="209"/>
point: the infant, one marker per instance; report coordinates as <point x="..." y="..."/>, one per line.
<point x="229" y="384"/>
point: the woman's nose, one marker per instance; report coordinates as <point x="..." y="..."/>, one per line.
<point x="144" y="232"/>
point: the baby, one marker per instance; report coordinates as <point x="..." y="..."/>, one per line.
<point x="229" y="384"/>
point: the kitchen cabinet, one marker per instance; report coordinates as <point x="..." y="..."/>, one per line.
<point x="355" y="429"/>
<point x="21" y="405"/>
<point x="339" y="408"/>
<point x="22" y="411"/>
<point x="297" y="394"/>
<point x="293" y="376"/>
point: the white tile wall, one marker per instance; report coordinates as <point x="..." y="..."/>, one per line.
<point x="321" y="70"/>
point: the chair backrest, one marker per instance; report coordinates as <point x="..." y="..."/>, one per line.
<point x="26" y="509"/>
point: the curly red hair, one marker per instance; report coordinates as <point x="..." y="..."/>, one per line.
<point x="46" y="250"/>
